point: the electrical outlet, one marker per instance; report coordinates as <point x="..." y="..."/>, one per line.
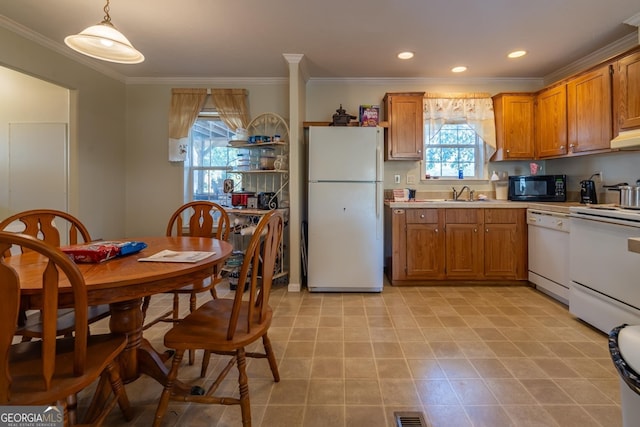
<point x="396" y="179"/>
<point x="411" y="179"/>
<point x="601" y="176"/>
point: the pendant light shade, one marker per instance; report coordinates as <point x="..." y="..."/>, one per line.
<point x="103" y="41"/>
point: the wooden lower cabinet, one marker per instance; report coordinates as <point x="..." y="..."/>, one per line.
<point x="456" y="244"/>
<point x="505" y="244"/>
<point x="464" y="243"/>
<point x="425" y="244"/>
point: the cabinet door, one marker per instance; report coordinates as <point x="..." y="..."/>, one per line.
<point x="464" y="243"/>
<point x="425" y="244"/>
<point x="464" y="251"/>
<point x="626" y="91"/>
<point x="589" y="110"/>
<point x="404" y="138"/>
<point x="505" y="244"/>
<point x="398" y="255"/>
<point x="551" y="122"/>
<point x="514" y="126"/>
<point x="500" y="251"/>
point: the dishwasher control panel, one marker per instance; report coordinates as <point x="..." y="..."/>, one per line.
<point x="554" y="220"/>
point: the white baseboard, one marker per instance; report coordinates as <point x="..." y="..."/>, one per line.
<point x="294" y="287"/>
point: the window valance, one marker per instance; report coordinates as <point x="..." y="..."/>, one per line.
<point x="186" y="104"/>
<point x="233" y="107"/>
<point x="475" y="109"/>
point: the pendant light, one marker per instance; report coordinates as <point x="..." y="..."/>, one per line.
<point x="103" y="41"/>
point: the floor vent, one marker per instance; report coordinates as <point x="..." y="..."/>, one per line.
<point x="410" y="419"/>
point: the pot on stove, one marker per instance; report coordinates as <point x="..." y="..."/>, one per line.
<point x="629" y="194"/>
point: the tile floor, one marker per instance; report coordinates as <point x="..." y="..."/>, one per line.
<point x="464" y="356"/>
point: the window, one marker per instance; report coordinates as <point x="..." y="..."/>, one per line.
<point x="208" y="160"/>
<point x="454" y="147"/>
<point x="459" y="134"/>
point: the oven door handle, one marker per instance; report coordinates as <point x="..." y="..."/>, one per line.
<point x="632" y="224"/>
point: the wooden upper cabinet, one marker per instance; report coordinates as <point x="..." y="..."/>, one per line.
<point x="551" y="122"/>
<point x="626" y="92"/>
<point x="404" y="138"/>
<point x="589" y="110"/>
<point x="514" y="126"/>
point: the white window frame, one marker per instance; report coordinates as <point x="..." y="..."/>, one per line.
<point x="190" y="170"/>
<point x="478" y="146"/>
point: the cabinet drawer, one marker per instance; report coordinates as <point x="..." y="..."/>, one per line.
<point x="463" y="216"/>
<point x="502" y="216"/>
<point x="422" y="216"/>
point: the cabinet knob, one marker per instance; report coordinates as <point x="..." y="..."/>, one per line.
<point x="508" y="151"/>
<point x="486" y="230"/>
<point x="571" y="145"/>
<point x="436" y="230"/>
<point x="419" y="151"/>
<point x="422" y="216"/>
<point x="562" y="147"/>
<point x="475" y="230"/>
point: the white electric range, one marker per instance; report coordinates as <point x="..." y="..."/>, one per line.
<point x="604" y="275"/>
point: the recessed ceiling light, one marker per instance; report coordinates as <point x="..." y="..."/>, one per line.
<point x="405" y="55"/>
<point x="517" y="53"/>
<point x="459" y="69"/>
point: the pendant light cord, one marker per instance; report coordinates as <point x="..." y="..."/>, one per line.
<point x="107" y="18"/>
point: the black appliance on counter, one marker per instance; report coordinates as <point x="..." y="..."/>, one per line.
<point x="588" y="192"/>
<point x="538" y="188"/>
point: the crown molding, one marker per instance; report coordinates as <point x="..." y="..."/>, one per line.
<point x="634" y="20"/>
<point x="62" y="49"/>
<point x="380" y="81"/>
<point x="298" y="58"/>
<point x="208" y="81"/>
<point x="619" y="46"/>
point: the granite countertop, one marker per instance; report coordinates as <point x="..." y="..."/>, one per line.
<point x="490" y="203"/>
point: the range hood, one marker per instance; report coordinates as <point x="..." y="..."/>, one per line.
<point x="627" y="140"/>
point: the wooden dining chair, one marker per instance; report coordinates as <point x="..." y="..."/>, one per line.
<point x="46" y="225"/>
<point x="226" y="326"/>
<point x="205" y="219"/>
<point x="49" y="370"/>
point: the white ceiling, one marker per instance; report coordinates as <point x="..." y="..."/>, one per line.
<point x="339" y="39"/>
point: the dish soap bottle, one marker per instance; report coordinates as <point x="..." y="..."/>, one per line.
<point x="495" y="176"/>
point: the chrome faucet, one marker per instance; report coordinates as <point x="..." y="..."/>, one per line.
<point x="457" y="194"/>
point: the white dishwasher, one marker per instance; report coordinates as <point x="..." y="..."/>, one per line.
<point x="549" y="252"/>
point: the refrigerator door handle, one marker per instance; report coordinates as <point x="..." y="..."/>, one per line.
<point x="378" y="201"/>
<point x="379" y="175"/>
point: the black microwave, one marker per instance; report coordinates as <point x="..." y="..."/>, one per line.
<point x="538" y="188"/>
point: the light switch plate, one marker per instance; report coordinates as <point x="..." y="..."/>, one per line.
<point x="396" y="179"/>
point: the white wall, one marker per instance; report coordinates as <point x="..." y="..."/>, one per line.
<point x="24" y="99"/>
<point x="97" y="131"/>
<point x="623" y="166"/>
<point x="153" y="185"/>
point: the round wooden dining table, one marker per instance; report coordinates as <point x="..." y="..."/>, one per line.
<point x="122" y="282"/>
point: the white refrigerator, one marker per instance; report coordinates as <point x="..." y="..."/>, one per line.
<point x="345" y="210"/>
